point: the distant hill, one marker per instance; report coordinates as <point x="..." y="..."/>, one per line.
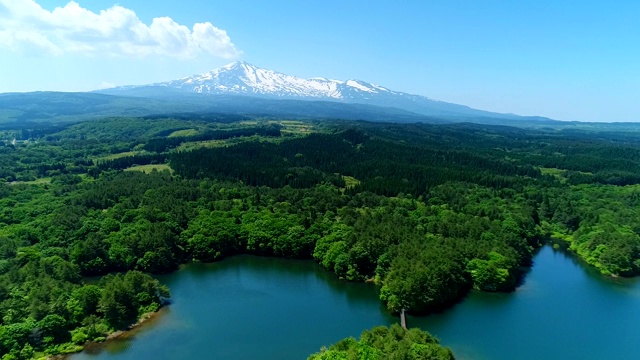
<point x="66" y="107"/>
<point x="63" y="107"/>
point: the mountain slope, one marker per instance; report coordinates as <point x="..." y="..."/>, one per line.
<point x="241" y="78"/>
<point x="58" y="107"/>
<point x="63" y="107"/>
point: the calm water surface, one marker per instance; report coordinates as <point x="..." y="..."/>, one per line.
<point x="248" y="308"/>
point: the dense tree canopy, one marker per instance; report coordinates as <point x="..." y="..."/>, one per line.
<point x="425" y="212"/>
<point x="387" y="343"/>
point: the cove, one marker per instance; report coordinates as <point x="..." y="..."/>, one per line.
<point x="249" y="307"/>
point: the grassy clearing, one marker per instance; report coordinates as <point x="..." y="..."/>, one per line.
<point x="149" y="168"/>
<point x="200" y="144"/>
<point x="44" y="180"/>
<point x="350" y="181"/>
<point x="297" y="130"/>
<point x="294" y="127"/>
<point x="116" y="156"/>
<point x="557" y="173"/>
<point x="552" y="171"/>
<point x="185" y="132"/>
<point x="227" y="142"/>
<point x="291" y="128"/>
<point x="560" y="174"/>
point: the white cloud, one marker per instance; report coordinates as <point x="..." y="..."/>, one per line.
<point x="25" y="26"/>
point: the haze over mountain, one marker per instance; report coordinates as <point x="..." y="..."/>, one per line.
<point x="242" y="78"/>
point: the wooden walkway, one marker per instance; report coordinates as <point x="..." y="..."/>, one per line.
<point x="403" y="319"/>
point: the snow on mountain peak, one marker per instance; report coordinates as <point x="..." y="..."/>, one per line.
<point x="241" y="77"/>
<point x="358" y="85"/>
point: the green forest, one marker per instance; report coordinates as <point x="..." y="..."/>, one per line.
<point x="386" y="343"/>
<point x="90" y="211"/>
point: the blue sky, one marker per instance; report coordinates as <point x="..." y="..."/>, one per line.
<point x="568" y="60"/>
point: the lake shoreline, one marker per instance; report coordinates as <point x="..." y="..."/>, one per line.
<point x="145" y="318"/>
<point x="279" y="309"/>
<point x="130" y="331"/>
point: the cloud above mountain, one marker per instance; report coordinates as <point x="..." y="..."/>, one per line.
<point x="117" y="31"/>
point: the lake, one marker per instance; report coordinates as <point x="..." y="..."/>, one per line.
<point x="248" y="307"/>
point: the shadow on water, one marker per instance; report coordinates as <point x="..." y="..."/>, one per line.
<point x="294" y="270"/>
<point x="561" y="248"/>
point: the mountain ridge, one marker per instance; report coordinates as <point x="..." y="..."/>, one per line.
<point x="243" y="78"/>
<point x="70" y="107"/>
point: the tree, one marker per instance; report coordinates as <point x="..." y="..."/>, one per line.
<point x="387" y="343"/>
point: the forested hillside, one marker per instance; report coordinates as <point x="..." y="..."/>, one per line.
<point x="426" y="212"/>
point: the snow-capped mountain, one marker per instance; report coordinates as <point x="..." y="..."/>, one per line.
<point x="242" y="78"/>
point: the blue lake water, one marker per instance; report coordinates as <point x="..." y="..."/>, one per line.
<point x="249" y="307"/>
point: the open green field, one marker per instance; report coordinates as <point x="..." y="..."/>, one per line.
<point x="295" y="127"/>
<point x="186" y="146"/>
<point x="560" y="174"/>
<point x="289" y="126"/>
<point x="149" y="168"/>
<point x="185" y="132"/>
<point x="116" y="156"/>
<point x="44" y="180"/>
<point x="350" y="181"/>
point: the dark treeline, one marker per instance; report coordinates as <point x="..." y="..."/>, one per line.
<point x="590" y="158"/>
<point x="206" y="117"/>
<point x="381" y="166"/>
